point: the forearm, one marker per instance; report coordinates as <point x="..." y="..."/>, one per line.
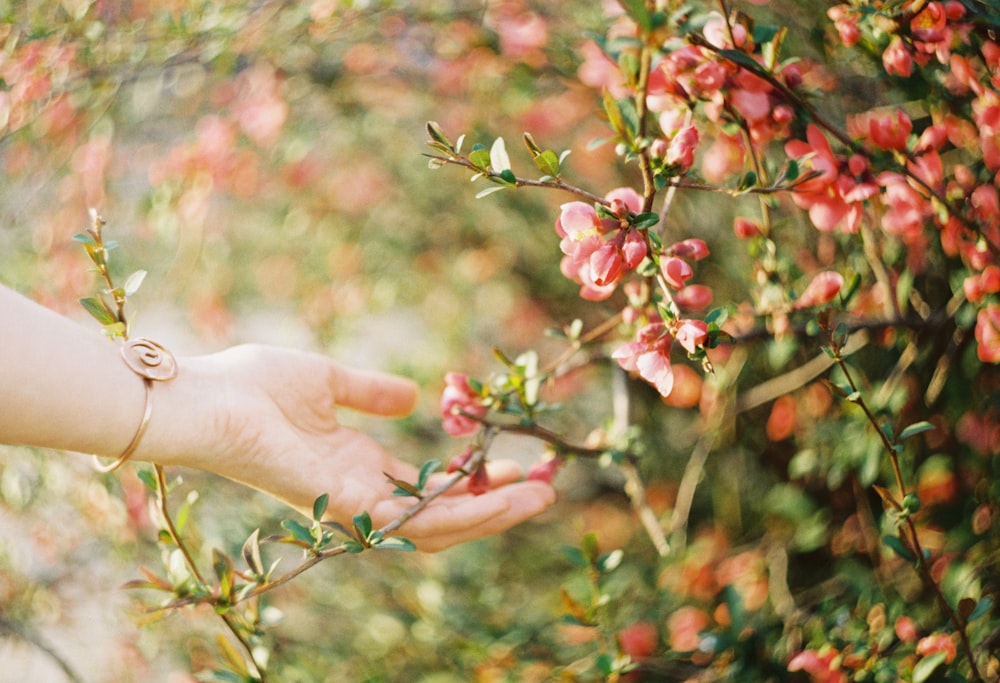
<point x="65" y="386"/>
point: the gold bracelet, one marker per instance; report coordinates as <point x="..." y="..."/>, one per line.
<point x="152" y="363"/>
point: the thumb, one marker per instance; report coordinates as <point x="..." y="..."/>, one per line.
<point x="378" y="393"/>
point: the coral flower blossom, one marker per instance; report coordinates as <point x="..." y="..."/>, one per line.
<point x="988" y="334"/>
<point x="457" y="398"/>
<point x="937" y="642"/>
<point x="649" y="356"/>
<point x="822" y="289"/>
<point x="820" y="665"/>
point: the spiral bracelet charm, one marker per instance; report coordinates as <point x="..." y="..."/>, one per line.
<point x="153" y="363"/>
<point x="149" y="360"/>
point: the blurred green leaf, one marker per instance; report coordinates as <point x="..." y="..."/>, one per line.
<point x="99" y="310"/>
<point x="898" y="547"/>
<point x="133" y="283"/>
<point x="914" y="429"/>
<point x="926" y="666"/>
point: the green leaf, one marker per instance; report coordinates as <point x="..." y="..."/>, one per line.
<point x="480" y="158"/>
<point x="646" y="220"/>
<point x="548" y="163"/>
<point x="575" y="557"/>
<point x="428" y="468"/>
<point x="396" y="543"/>
<point x="362" y="523"/>
<point x="741" y="58"/>
<point x="251" y="553"/>
<point x="914" y="429"/>
<point x="490" y="190"/>
<point x="319" y="507"/>
<point x="222" y="564"/>
<point x="99" y="310"/>
<point x="896" y="544"/>
<point x="353" y="547"/>
<point x="636" y="9"/>
<point x="926" y="666"/>
<point x="404" y="488"/>
<point x="981" y="608"/>
<point x="230" y="656"/>
<point x="298" y="532"/>
<point x="610" y="561"/>
<point x="133" y="282"/>
<point x="184" y="512"/>
<point x="508" y="176"/>
<point x="148" y="478"/>
<point x="85" y="238"/>
<point x="532" y="146"/>
<point x="436" y="134"/>
<point x="499" y="159"/>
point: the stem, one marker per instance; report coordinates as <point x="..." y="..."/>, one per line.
<point x="910" y="538"/>
<point x="171" y="529"/>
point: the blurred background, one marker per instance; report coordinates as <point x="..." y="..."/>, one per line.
<point x="263" y="161"/>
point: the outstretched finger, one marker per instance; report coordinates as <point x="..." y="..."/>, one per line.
<point x="378" y="393"/>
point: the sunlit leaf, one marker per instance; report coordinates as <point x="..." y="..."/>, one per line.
<point x="499" y="159"/>
<point x="319" y="506"/>
<point x="396" y="543"/>
<point x="251" y="553"/>
<point x="134" y="282"/>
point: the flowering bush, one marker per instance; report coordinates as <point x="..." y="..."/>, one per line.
<point x="770" y="269"/>
<point x="902" y="197"/>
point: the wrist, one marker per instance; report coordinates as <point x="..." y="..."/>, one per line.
<point x="182" y="429"/>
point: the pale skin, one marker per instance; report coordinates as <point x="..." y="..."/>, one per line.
<point x="259" y="415"/>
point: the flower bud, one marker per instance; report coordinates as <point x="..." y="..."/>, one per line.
<point x="822" y="289"/>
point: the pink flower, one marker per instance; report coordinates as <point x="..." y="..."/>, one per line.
<point x="820" y="290"/>
<point x="686" y="625"/>
<point x="649" y="356"/>
<point x="680" y="153"/>
<point x="626" y="196"/>
<point x="896" y="59"/>
<point x="820" y="665"/>
<point x="633" y="249"/>
<point x="937" y="642"/>
<point x="745" y="228"/>
<point x="691" y="334"/>
<point x="906" y="629"/>
<point x="479" y="481"/>
<point x="577" y="220"/>
<point x="606" y="264"/>
<point x="988" y="334"/>
<point x="693" y="249"/>
<point x="694" y="297"/>
<point x="846" y="22"/>
<point x="890" y="131"/>
<point x="544" y="471"/>
<point x="457" y="398"/>
<point x="676" y="271"/>
<point x="461" y="460"/>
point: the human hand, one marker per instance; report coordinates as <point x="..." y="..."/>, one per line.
<point x="269" y="420"/>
